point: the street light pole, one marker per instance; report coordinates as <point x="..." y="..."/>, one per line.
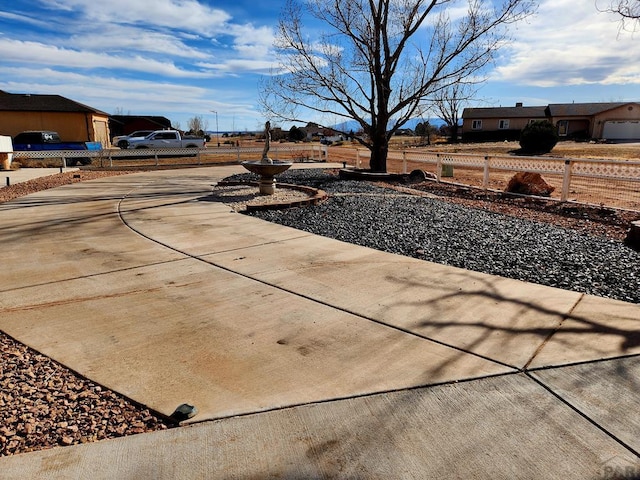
<point x="217" y="130"/>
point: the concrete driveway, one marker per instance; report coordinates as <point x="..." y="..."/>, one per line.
<point x="305" y="356"/>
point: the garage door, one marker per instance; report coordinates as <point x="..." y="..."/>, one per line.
<point x="622" y="130"/>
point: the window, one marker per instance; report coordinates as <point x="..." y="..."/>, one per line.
<point x="503" y="124"/>
<point x="476" y="125"/>
<point x="166" y="136"/>
<point x="563" y="127"/>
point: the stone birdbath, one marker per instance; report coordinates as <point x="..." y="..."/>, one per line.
<point x="266" y="167"/>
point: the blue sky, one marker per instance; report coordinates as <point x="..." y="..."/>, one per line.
<point x="182" y="58"/>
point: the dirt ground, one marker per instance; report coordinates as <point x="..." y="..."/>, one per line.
<point x="568" y="149"/>
<point x="605" y="192"/>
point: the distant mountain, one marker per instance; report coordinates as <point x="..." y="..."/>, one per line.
<point x="434" y="122"/>
<point x="353" y="125"/>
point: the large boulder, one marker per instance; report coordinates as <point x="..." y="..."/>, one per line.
<point x="529" y="183"/>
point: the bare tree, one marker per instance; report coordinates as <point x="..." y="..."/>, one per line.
<point x="448" y="103"/>
<point x="379" y="59"/>
<point x="628" y="10"/>
<point x="197" y="125"/>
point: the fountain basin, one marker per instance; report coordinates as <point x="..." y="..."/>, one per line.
<point x="267" y="169"/>
<point x="267" y="172"/>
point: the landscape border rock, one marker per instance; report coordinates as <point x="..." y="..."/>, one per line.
<point x="315" y="196"/>
<point x="362" y="174"/>
<point x="418" y="176"/>
<point x="633" y="236"/>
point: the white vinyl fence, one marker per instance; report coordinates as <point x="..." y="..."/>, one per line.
<point x="115" y="157"/>
<point x="610" y="183"/>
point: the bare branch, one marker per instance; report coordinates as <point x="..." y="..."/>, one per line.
<point x="627" y="10"/>
<point x="378" y="60"/>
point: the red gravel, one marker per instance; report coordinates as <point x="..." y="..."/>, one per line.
<point x="43" y="404"/>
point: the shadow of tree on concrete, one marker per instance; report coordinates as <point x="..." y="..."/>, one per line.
<point x="431" y="314"/>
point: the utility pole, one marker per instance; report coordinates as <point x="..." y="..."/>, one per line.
<point x="217" y="130"/>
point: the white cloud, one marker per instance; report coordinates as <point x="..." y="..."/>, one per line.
<point x="253" y="42"/>
<point x="122" y="38"/>
<point x="155" y="37"/>
<point x="240" y="66"/>
<point x="23" y="19"/>
<point x="107" y="86"/>
<point x="569" y="43"/>
<point x="137" y="97"/>
<point x="188" y="15"/>
<point x="16" y="51"/>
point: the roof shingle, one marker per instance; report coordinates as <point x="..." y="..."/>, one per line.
<point x="505" y="112"/>
<point x="18" y="102"/>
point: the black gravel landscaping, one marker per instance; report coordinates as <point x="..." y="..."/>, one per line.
<point x="472" y="238"/>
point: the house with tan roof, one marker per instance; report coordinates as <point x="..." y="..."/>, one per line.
<point x="612" y="121"/>
<point x="74" y="121"/>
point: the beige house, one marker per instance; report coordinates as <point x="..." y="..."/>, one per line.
<point x="74" y="121"/>
<point x="315" y="131"/>
<point x="618" y="121"/>
<point x="602" y="121"/>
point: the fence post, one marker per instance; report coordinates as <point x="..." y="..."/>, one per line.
<point x="566" y="180"/>
<point x="156" y="155"/>
<point x="485" y="178"/>
<point x="357" y="158"/>
<point x="404" y="162"/>
<point x="438" y="167"/>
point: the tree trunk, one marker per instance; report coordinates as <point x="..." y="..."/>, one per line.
<point x="379" y="151"/>
<point x="454" y="133"/>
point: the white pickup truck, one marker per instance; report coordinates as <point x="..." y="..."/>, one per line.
<point x="165" y="139"/>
